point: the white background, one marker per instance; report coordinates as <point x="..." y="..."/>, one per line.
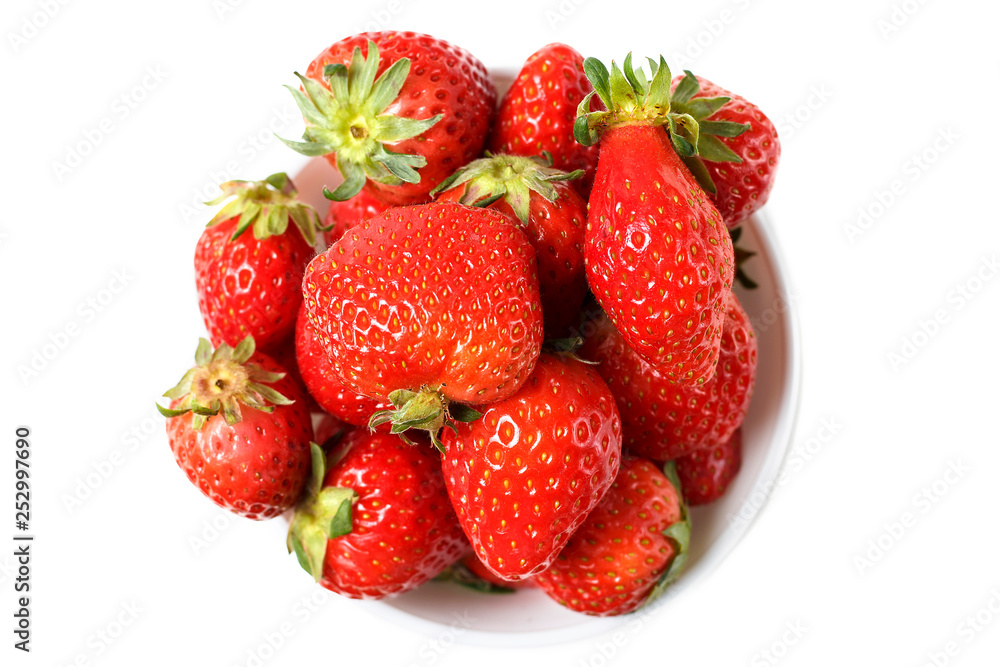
<point x="856" y="99"/>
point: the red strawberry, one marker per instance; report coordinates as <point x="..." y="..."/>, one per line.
<point x="659" y="258"/>
<point x="425" y="105"/>
<point x="253" y="458"/>
<point x="249" y="283"/>
<point x="376" y="521"/>
<point x="662" y="420"/>
<point x="428" y="304"/>
<point x="631" y="547"/>
<point x="329" y="430"/>
<point x="330" y="392"/>
<point x="740" y="169"/>
<point x="525" y="475"/>
<point x="343" y="215"/>
<point x="553" y="215"/>
<point x="480" y="571"/>
<point x="705" y="474"/>
<point x="539" y="109"/>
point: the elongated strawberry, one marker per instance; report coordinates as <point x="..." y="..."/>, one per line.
<point x="630" y="548"/>
<point x="539" y="109"/>
<point x="736" y="167"/>
<point x="553" y="215"/>
<point x="428" y="304"/>
<point x="525" y="475"/>
<point x="383" y="105"/>
<point x="705" y="474"/>
<point x="663" y="420"/>
<point x="343" y="215"/>
<point x="376" y="520"/>
<point x="245" y="443"/>
<point x="659" y="258"/>
<point x="249" y="262"/>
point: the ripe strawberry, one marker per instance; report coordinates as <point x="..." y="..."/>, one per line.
<point x="329" y="391"/>
<point x="538" y="112"/>
<point x="525" y="475"/>
<point x="631" y="547"/>
<point x="249" y="283"/>
<point x="553" y="215"/>
<point x="662" y="420"/>
<point x="428" y="304"/>
<point x="705" y="474"/>
<point x="659" y="259"/>
<point x="429" y="109"/>
<point x="480" y="571"/>
<point x="376" y="520"/>
<point x="344" y="215"/>
<point x="329" y="430"/>
<point x="737" y="171"/>
<point x="253" y="462"/>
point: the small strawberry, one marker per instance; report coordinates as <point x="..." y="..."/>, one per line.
<point x="344" y="215"/>
<point x="376" y="520"/>
<point x="538" y="112"/>
<point x="480" y="571"/>
<point x="737" y="169"/>
<point x="426" y="105"/>
<point x="630" y="548"/>
<point x="525" y="475"/>
<point x="253" y="462"/>
<point x="554" y="217"/>
<point x="705" y="474"/>
<point x="663" y="420"/>
<point x="428" y="304"/>
<point x="249" y="262"/>
<point x="659" y="258"/>
<point x="329" y="430"/>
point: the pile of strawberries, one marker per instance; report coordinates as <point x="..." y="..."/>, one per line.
<point x="522" y="336"/>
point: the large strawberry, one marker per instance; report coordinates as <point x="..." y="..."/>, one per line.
<point x="426" y="105"/>
<point x="245" y="443"/>
<point x="737" y="168"/>
<point x="249" y="262"/>
<point x="554" y="217"/>
<point x="630" y="548"/>
<point x="376" y="520"/>
<point x="428" y="304"/>
<point x="705" y="474"/>
<point x="659" y="258"/>
<point x="343" y="215"/>
<point x="539" y="109"/>
<point x="663" y="420"/>
<point x="525" y="475"/>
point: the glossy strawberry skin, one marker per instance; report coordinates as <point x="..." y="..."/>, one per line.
<point x="439" y="295"/>
<point x="705" y="474"/>
<point x="250" y="286"/>
<point x="617" y="556"/>
<point x="525" y="475"/>
<point x="557" y="231"/>
<point x="344" y="215"/>
<point x="444" y="79"/>
<point x="742" y="188"/>
<point x="538" y="111"/>
<point x="256" y="468"/>
<point x="404" y="531"/>
<point x="662" y="420"/>
<point x="476" y="567"/>
<point x="659" y="258"/>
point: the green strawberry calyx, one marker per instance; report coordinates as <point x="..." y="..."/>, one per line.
<point x="323" y="514"/>
<point x="425" y="410"/>
<point x="679" y="534"/>
<point x="347" y="117"/>
<point x="221" y="381"/>
<point x="266" y="206"/>
<point x="509" y="177"/>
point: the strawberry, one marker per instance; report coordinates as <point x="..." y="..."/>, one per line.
<point x="329" y="430"/>
<point x="525" y="475"/>
<point x="659" y="258"/>
<point x="329" y="391"/>
<point x="253" y="462"/>
<point x="427" y="105"/>
<point x="343" y="215"/>
<point x="249" y="283"/>
<point x="480" y="571"/>
<point x="662" y="420"/>
<point x="428" y="304"/>
<point x="538" y="111"/>
<point x="705" y="474"/>
<point x="737" y="171"/>
<point x="530" y="191"/>
<point x="630" y="548"/>
<point x="376" y="520"/>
